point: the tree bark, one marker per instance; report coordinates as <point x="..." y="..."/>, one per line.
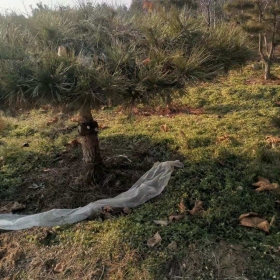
<point x="88" y="130"/>
<point x="267" y="67"/>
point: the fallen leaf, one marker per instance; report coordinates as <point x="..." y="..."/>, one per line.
<point x="53" y="120"/>
<point x="59" y="268"/>
<point x="252" y="220"/>
<point x="164" y="128"/>
<point x="103" y="126"/>
<point x="264" y="184"/>
<point x="223" y="138"/>
<point x="161" y="222"/>
<point x="34" y="187"/>
<point x="17" y="206"/>
<point x="272" y="139"/>
<point x="126" y="210"/>
<point x="74" y="143"/>
<point x="182" y="206"/>
<point x="198" y="208"/>
<point x="146" y="61"/>
<point x="175" y="217"/>
<point x="172" y="246"/>
<point x="75" y="119"/>
<point x="154" y="240"/>
<point x="14" y="256"/>
<point x="12" y="207"/>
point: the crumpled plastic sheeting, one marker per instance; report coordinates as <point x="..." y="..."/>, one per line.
<point x="151" y="184"/>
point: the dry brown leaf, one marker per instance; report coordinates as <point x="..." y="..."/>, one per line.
<point x="198" y="208"/>
<point x="47" y="170"/>
<point x="223" y="138"/>
<point x="250" y="214"/>
<point x="161" y="222"/>
<point x="53" y="120"/>
<point x="172" y="246"/>
<point x="164" y="128"/>
<point x="182" y="206"/>
<point x="148" y="6"/>
<point x="12" y="207"/>
<point x="175" y="217"/>
<point x="74" y="143"/>
<point x="146" y="61"/>
<point x="252" y="220"/>
<point x="59" y="268"/>
<point x="17" y="206"/>
<point x="154" y="240"/>
<point x="272" y="139"/>
<point x="75" y="119"/>
<point x="126" y="210"/>
<point x="14" y="256"/>
<point x="264" y="184"/>
<point x="102" y="126"/>
<point x="262" y="179"/>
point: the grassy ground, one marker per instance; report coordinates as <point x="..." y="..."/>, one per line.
<point x="224" y="150"/>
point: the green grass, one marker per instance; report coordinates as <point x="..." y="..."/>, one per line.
<point x="208" y="246"/>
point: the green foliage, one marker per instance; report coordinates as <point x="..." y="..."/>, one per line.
<point x="108" y="47"/>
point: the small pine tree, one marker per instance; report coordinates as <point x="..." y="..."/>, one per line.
<point x="106" y="55"/>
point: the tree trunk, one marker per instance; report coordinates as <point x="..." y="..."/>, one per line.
<point x="88" y="130"/>
<point x="267" y="67"/>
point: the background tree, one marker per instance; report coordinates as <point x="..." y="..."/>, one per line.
<point x="259" y="18"/>
<point x="212" y="11"/>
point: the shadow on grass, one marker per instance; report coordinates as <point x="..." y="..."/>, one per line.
<point x="43" y="182"/>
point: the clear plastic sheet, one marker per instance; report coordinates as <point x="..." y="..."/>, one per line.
<point x="151" y="184"/>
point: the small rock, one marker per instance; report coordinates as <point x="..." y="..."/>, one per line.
<point x="239" y="188"/>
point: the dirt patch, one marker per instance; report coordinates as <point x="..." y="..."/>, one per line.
<point x="38" y="254"/>
<point x="213" y="261"/>
<point x="64" y="185"/>
<point x="11" y="255"/>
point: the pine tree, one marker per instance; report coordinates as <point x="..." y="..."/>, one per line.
<point x="105" y="54"/>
